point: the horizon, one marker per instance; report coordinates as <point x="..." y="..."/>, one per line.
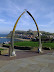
<point x="24" y="30"/>
<point x="42" y="11"/>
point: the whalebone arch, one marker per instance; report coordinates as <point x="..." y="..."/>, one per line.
<point x="12" y="37"/>
<point x="31" y="17"/>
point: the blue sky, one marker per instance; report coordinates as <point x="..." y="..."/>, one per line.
<point x="42" y="11"/>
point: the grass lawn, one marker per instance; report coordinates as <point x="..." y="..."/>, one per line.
<point x="1" y="49"/>
<point x="51" y="45"/>
<point x="27" y="43"/>
<point x="33" y="44"/>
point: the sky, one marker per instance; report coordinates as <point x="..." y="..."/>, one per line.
<point x="41" y="10"/>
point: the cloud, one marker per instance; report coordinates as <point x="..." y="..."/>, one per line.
<point x="50" y="15"/>
<point x="2" y="20"/>
<point x="42" y="11"/>
<point x="43" y="26"/>
<point x="9" y="8"/>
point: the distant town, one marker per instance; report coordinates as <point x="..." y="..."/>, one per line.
<point x="33" y="35"/>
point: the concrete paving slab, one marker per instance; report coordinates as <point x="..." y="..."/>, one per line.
<point x="41" y="63"/>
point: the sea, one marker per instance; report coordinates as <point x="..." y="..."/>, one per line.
<point x="5" y="39"/>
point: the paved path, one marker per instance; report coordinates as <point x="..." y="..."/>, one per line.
<point x="41" y="63"/>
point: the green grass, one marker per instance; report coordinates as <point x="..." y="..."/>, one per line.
<point x="33" y="44"/>
<point x="26" y="43"/>
<point x="1" y="49"/>
<point x="51" y="45"/>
